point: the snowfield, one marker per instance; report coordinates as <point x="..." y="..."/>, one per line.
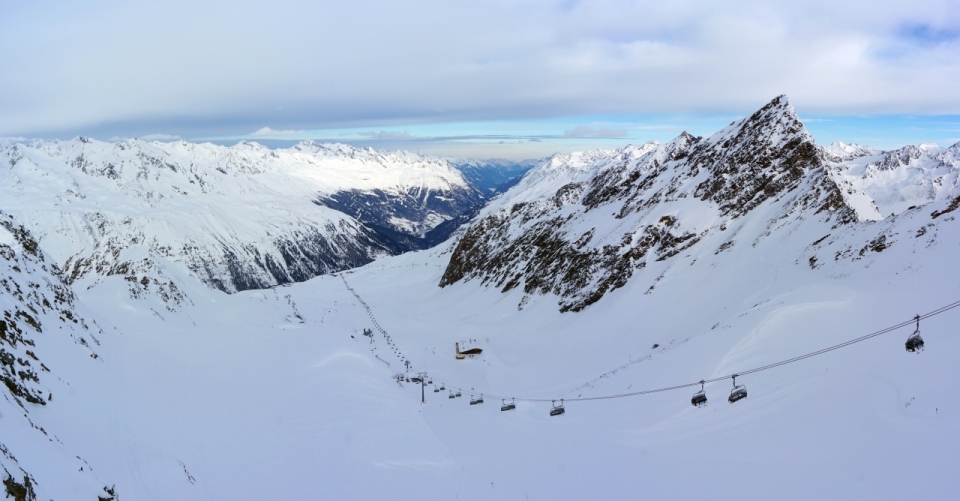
<point x="275" y="393"/>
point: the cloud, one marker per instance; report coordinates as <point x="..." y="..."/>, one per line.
<point x="147" y="137"/>
<point x="584" y="131"/>
<point x="268" y="132"/>
<point x="391" y="135"/>
<point x="222" y="71"/>
<point x="160" y="137"/>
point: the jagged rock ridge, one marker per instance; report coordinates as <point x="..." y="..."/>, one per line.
<point x="579" y="226"/>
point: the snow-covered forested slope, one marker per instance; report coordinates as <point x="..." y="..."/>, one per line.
<point x="747" y="248"/>
<point x="237" y="218"/>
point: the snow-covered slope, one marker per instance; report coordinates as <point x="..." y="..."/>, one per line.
<point x="47" y="344"/>
<point x="581" y="225"/>
<point x="492" y="176"/>
<point x="900" y="179"/>
<point x="746" y="248"/>
<point x="237" y="218"/>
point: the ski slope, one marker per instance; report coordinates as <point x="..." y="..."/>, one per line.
<point x="276" y="393"/>
<point x="235" y="398"/>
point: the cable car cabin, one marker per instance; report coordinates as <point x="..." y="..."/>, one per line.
<point x="557" y="409"/>
<point x="915" y="343"/>
<point x="507" y="407"/>
<point x="699" y="399"/>
<point x="737" y="393"/>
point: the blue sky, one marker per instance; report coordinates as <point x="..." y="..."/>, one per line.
<point x="505" y="78"/>
<point x="522" y="139"/>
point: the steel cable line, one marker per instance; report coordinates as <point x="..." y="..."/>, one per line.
<point x="756" y="369"/>
<point x="798" y="358"/>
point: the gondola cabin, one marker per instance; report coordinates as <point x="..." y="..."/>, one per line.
<point x="915" y="343"/>
<point x="557" y="409"/>
<point x="738" y="393"/>
<point x="699" y="399"/>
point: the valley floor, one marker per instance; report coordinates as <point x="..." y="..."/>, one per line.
<point x="276" y="394"/>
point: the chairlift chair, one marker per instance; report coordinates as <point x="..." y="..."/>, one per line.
<point x="442" y="387"/>
<point x="699" y="398"/>
<point x="458" y="393"/>
<point x="452" y="395"/>
<point x="915" y="342"/>
<point x="557" y="409"/>
<point x="473" y="400"/>
<point x="436" y="390"/>
<point x="507" y="407"/>
<point x="480" y="400"/>
<point x="738" y="392"/>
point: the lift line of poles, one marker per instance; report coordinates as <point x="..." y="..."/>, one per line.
<point x="914" y="344"/>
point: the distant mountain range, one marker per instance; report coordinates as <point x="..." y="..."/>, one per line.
<point x="240" y="217"/>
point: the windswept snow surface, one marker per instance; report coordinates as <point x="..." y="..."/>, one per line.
<point x="196" y="394"/>
<point x="255" y="404"/>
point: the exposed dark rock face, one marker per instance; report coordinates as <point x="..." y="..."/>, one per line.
<point x="550" y="245"/>
<point x="38" y="316"/>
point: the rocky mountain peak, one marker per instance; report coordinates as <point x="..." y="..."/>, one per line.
<point x="581" y="225"/>
<point x="761" y="157"/>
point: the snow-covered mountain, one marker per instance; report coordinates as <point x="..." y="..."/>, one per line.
<point x="47" y="342"/>
<point x="492" y="176"/>
<point x="237" y="218"/>
<point x="900" y="179"/>
<point x="671" y="263"/>
<point x="580" y="225"/>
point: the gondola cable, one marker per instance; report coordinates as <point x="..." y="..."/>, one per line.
<point x="757" y="369"/>
<point x="798" y="358"/>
